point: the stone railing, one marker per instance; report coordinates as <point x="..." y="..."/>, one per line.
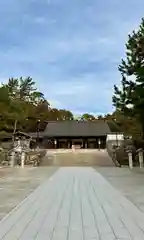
<point x="34" y="158"/>
<point x="4" y="156"/>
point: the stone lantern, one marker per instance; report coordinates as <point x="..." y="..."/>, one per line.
<point x="114" y="155"/>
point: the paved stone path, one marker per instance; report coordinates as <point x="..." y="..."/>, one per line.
<point x="74" y="204"/>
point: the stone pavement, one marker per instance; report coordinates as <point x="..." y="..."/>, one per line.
<point x="76" y="203"/>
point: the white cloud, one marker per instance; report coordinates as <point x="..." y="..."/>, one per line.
<point x="43" y="20"/>
<point x="71" y="48"/>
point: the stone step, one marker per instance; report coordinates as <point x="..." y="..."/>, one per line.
<point x="95" y="158"/>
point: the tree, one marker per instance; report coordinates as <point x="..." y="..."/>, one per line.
<point x="100" y="117"/>
<point x="65" y="115"/>
<point x="10" y="109"/>
<point x="20" y="101"/>
<point x="129" y="97"/>
<point x="37" y="97"/>
<point x="26" y="88"/>
<point x="87" y="116"/>
<point x="12" y="87"/>
<point x="23" y="89"/>
<point x="4" y="95"/>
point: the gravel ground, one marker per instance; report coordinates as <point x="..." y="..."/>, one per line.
<point x="130" y="183"/>
<point x="16" y="184"/>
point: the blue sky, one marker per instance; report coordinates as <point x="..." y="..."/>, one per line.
<point x="71" y="48"/>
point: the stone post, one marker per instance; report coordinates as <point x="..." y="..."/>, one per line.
<point x="54" y="159"/>
<point x="83" y="144"/>
<point x="140" y="154"/>
<point x="130" y="160"/>
<point x="22" y="159"/>
<point x="73" y="147"/>
<point x="99" y="144"/>
<point x="69" y="145"/>
<point x="12" y="159"/>
<point x="55" y="144"/>
<point x="130" y="157"/>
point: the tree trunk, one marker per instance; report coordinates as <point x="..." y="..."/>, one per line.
<point x="142" y="126"/>
<point x="142" y="130"/>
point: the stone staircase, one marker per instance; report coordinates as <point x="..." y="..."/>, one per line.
<point x="81" y="157"/>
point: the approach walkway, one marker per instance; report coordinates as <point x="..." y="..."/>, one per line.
<point x="76" y="203"/>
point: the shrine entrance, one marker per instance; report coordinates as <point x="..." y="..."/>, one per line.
<point x="69" y="142"/>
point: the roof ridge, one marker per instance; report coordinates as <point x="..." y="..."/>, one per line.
<point x="91" y="121"/>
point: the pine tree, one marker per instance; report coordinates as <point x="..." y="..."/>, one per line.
<point x="129" y="97"/>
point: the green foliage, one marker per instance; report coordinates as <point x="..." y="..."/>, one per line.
<point x="21" y="102"/>
<point x="129" y="97"/>
<point x="87" y="116"/>
<point x="100" y="117"/>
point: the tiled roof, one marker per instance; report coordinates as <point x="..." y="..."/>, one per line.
<point x="77" y="128"/>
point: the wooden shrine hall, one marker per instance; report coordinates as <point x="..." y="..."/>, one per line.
<point x="83" y="134"/>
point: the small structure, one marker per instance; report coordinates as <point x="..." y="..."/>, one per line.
<point x="22" y="139"/>
<point x="116" y="138"/>
<point x="21" y="143"/>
